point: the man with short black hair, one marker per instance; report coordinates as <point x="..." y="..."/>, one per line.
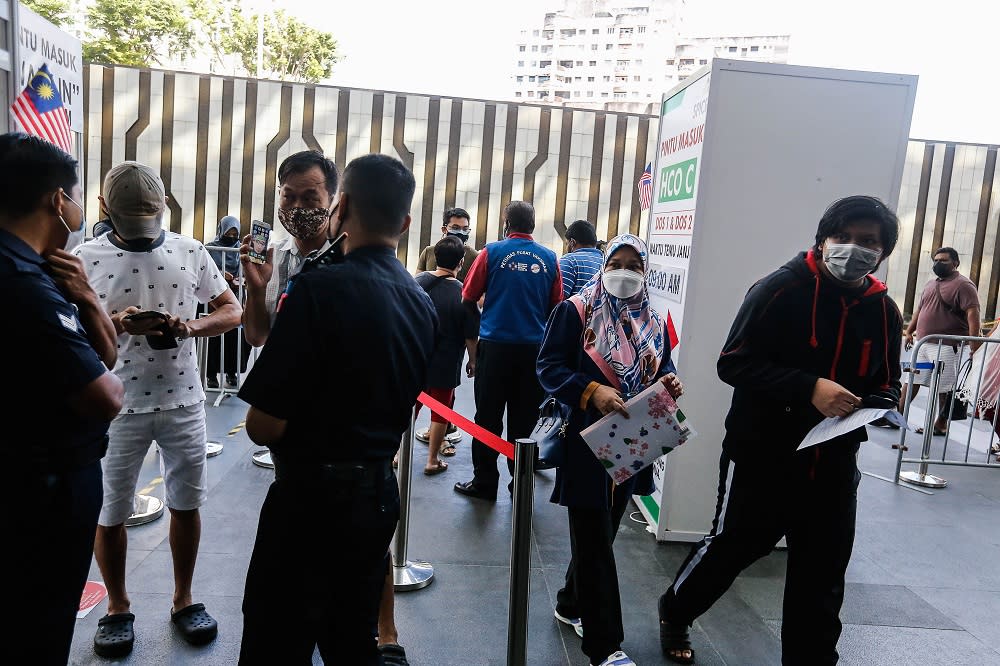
<point x="583" y="261"/>
<point x="949" y="305"/>
<point x="457" y="223"/>
<point x="334" y="503"/>
<point x="60" y="399"/>
<point x="458" y="331"/>
<point x="521" y="282"/>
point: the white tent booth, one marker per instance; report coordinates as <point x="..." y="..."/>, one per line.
<point x="748" y="158"/>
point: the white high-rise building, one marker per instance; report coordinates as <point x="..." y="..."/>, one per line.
<point x="621" y="55"/>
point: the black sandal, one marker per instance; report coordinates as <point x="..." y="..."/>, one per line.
<point x="392" y="654"/>
<point x="115" y="635"/>
<point x="195" y="624"/>
<point x="675" y="640"/>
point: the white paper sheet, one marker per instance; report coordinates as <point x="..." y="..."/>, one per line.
<point x="835" y="426"/>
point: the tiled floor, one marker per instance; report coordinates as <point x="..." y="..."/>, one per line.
<point x="924" y="583"/>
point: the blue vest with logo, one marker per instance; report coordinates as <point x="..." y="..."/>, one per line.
<point x="520" y="273"/>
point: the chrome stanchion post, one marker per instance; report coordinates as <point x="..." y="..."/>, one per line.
<point x="921" y="477"/>
<point x="520" y="552"/>
<point x="406" y="574"/>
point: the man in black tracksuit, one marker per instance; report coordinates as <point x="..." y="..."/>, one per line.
<point x="818" y="337"/>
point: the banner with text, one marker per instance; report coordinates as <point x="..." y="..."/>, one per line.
<point x="41" y="43"/>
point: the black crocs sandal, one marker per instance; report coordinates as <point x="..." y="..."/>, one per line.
<point x="675" y="641"/>
<point x="392" y="654"/>
<point x="196" y="625"/>
<point x="115" y="635"/>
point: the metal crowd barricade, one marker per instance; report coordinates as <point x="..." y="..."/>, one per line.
<point x="973" y="390"/>
<point x="223" y="390"/>
<point x="414" y="575"/>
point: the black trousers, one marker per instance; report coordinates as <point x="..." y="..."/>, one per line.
<point x="812" y="502"/>
<point x="51" y="525"/>
<point x="317" y="572"/>
<point x="505" y="379"/>
<point x="232" y="339"/>
<point x="591" y="589"/>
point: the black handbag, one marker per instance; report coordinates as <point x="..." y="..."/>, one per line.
<point x="959" y="407"/>
<point x="550" y="433"/>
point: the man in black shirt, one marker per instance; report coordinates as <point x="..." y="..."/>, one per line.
<point x="60" y="397"/>
<point x="458" y="332"/>
<point x="367" y="330"/>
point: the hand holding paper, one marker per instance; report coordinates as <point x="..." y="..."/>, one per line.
<point x="836" y="426"/>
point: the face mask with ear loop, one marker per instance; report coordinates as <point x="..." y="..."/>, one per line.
<point x="75" y="237"/>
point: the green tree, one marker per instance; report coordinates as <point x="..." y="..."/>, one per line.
<point x="54" y="11"/>
<point x="292" y="50"/>
<point x="137" y="32"/>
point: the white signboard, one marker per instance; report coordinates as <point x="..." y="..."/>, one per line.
<point x="671" y="223"/>
<point x="675" y="191"/>
<point x="41" y="43"/>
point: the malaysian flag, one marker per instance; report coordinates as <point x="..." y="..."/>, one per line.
<point x="646" y="188"/>
<point x="39" y="110"/>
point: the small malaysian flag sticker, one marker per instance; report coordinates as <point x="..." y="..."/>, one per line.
<point x="68" y="321"/>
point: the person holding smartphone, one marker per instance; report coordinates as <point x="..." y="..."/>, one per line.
<point x="150" y="281"/>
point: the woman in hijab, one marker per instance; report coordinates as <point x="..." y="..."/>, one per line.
<point x="228" y="235"/>
<point x="601" y="348"/>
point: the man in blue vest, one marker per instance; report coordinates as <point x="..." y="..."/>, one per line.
<point x="522" y="284"/>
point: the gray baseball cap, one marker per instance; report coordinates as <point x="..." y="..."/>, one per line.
<point x="135" y="198"/>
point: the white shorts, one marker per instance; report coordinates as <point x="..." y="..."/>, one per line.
<point x="928" y="353"/>
<point x="180" y="435"/>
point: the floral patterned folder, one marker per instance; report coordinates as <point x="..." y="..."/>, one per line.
<point x="626" y="445"/>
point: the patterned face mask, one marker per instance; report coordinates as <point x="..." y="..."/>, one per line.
<point x="303" y="222"/>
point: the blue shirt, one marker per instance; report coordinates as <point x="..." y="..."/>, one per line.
<point x="521" y="281"/>
<point x="48" y="359"/>
<point x="578" y="267"/>
<point x="346" y="359"/>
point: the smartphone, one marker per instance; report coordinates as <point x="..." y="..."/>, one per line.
<point x="146" y="314"/>
<point x="260" y="234"/>
<point x="166" y="339"/>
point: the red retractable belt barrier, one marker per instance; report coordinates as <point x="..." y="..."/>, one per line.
<point x="498" y="444"/>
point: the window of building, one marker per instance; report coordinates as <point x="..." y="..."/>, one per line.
<point x="543" y="93"/>
<point x="608" y="47"/>
<point x="593" y="47"/>
<point x="520" y="79"/>
<point x="581" y="31"/>
<point x="607" y="79"/>
<point x="670" y="62"/>
<point x="534" y="63"/>
<point x="590" y="93"/>
<point x="638" y="63"/>
<point x="703" y="61"/>
<point x="754" y="49"/>
<point x="608" y="63"/>
<point x="744" y="52"/>
<point x="687" y="61"/>
<point x="534" y="48"/>
<point x="642" y="29"/>
<point x="595" y="31"/>
<point x="534" y="33"/>
<point x="592" y="63"/>
<point x="578" y="79"/>
<point x="590" y="79"/>
<point x="545" y="63"/>
<point x="531" y="93"/>
<point x="648" y="95"/>
<point x="634" y="94"/>
<point x="521" y="48"/>
<point x="547" y="48"/>
<point x="604" y="94"/>
<point x="579" y="63"/>
<point x="576" y="93"/>
<point x="532" y="79"/>
<point x="520" y="63"/>
<point x="566" y="63"/>
<point x="622" y="63"/>
<point x="611" y="31"/>
<point x="637" y="78"/>
<point x="624" y="31"/>
<point x="732" y="49"/>
<point x="619" y="95"/>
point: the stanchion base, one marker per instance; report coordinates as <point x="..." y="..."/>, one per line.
<point x="412" y="575"/>
<point x="147" y="509"/>
<point x="263" y="459"/>
<point x="213" y="449"/>
<point x="925" y="480"/>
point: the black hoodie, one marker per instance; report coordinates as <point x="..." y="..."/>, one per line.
<point x="794" y="327"/>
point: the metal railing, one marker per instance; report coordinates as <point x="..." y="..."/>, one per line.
<point x="977" y="403"/>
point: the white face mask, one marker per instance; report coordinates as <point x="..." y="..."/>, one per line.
<point x="75" y="237"/>
<point x="849" y="262"/>
<point x="622" y="283"/>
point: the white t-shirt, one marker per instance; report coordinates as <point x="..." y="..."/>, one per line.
<point x="172" y="277"/>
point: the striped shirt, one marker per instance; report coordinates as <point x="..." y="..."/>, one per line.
<point x="578" y="267"/>
<point x="287" y="264"/>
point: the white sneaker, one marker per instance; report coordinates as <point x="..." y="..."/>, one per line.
<point x="617" y="659"/>
<point x="573" y="622"/>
